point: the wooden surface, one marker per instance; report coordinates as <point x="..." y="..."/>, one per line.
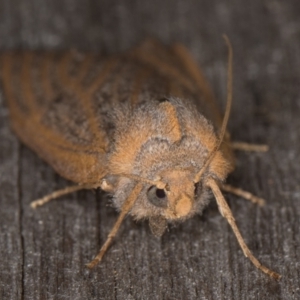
<point x="43" y="253"/>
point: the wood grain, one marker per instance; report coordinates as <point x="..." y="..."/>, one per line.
<point x="43" y="252"/>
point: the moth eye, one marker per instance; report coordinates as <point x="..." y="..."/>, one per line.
<point x="161" y="100"/>
<point x="157" y="197"/>
<point x="197" y="190"/>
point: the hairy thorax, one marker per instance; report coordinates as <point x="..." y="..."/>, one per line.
<point x="169" y="142"/>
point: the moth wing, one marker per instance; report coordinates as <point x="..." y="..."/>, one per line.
<point x="178" y="64"/>
<point x="194" y="72"/>
<point x="51" y="110"/>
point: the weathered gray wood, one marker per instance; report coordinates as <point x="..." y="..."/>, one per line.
<point x="43" y="252"/>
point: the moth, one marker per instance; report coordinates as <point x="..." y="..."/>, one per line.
<point x="143" y="126"/>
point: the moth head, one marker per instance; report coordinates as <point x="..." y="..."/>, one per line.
<point x="161" y="147"/>
<point x="173" y="198"/>
<point x="174" y="194"/>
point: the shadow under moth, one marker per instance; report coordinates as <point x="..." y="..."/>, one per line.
<point x="143" y="126"/>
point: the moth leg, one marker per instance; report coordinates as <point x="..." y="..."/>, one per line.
<point x="249" y="147"/>
<point x="227" y="214"/>
<point x="59" y="193"/>
<point x="242" y="193"/>
<point x="125" y="209"/>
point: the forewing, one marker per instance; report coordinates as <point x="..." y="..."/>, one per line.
<point x="50" y="98"/>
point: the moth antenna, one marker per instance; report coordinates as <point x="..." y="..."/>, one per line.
<point x="227" y="214"/>
<point x="125" y="209"/>
<point x="227" y="111"/>
<point x="59" y="193"/>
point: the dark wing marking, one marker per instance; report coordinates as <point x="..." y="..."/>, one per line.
<point x="140" y="78"/>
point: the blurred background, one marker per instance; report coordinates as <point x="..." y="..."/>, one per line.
<point x="43" y="252"/>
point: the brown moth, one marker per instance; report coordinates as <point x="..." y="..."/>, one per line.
<point x="142" y="125"/>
